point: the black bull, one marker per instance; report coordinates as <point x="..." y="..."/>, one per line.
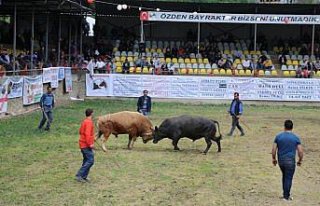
<point x="191" y="127"/>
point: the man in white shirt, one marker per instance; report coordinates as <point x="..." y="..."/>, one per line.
<point x="101" y="66"/>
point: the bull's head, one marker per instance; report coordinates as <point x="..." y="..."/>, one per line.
<point x="146" y="137"/>
<point x="157" y="135"/>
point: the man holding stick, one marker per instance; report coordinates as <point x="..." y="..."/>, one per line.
<point x="47" y="105"/>
<point x="236" y="109"/>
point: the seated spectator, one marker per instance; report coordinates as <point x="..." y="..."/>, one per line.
<point x="282" y="60"/>
<point x="174" y="51"/>
<point x="181" y="52"/>
<point x="101" y="66"/>
<point x="171" y="68"/>
<point x="268" y="64"/>
<point x="126" y="67"/>
<point x="247" y="64"/>
<point x="261" y="62"/>
<point x="164" y="69"/>
<point x="157" y="64"/>
<point x="221" y="63"/>
<point x="316" y="64"/>
<point x="168" y="53"/>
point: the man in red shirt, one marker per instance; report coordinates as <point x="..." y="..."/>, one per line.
<point x="86" y="143"/>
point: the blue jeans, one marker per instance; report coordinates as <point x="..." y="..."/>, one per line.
<point x="46" y="116"/>
<point x="287" y="167"/>
<point x="144" y="112"/>
<point x="88" y="161"/>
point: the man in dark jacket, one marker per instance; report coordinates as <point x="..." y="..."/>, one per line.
<point x="144" y="104"/>
<point x="236" y="109"/>
<point x="47" y="105"/>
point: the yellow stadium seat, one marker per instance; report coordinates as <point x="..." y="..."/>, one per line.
<point x="209" y="71"/>
<point x="159" y="50"/>
<point x="119" y="69"/>
<point x="138" y="70"/>
<point x="274" y="73"/>
<point x="186" y="60"/>
<point x="162" y="59"/>
<point x="258" y="52"/>
<point x="132" y="69"/>
<point x="200" y="61"/>
<point x="228" y="72"/>
<point x="222" y="72"/>
<point x="118" y="64"/>
<point x="183" y="71"/>
<point x="245" y="52"/>
<point x="123" y="58"/>
<point x="147" y="50"/>
<point x="286" y="73"/>
<point x="295" y="62"/>
<point x="174" y="60"/>
<point x="318" y="73"/>
<point x="117" y="59"/>
<point x="130" y="59"/>
<point x="205" y="60"/>
<point x="195" y="71"/>
<point x="145" y="70"/>
<point x="248" y="72"/>
<point x="226" y="51"/>
<point x="237" y="61"/>
<point x="289" y="62"/>
<point x="180" y="60"/>
<point x="261" y="72"/>
<point x="193" y="61"/>
<point x="216" y="72"/>
<point x="190" y="71"/>
<point x="293" y="73"/>
<point x="236" y="72"/>
<point x="241" y="72"/>
<point x="168" y="60"/>
<point x="152" y="50"/>
<point x="203" y="71"/>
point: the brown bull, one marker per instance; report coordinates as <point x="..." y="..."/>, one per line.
<point x="132" y="123"/>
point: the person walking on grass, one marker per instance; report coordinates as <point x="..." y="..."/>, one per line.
<point x="144" y="104"/>
<point x="285" y="146"/>
<point x="236" y="110"/>
<point x="86" y="144"/>
<point x="47" y="105"/>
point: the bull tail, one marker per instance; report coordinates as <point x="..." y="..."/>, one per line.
<point x="218" y="126"/>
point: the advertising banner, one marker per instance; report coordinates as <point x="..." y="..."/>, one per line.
<point x="32" y="90"/>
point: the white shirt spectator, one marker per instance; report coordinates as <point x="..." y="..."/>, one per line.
<point x="100" y="64"/>
<point x="246" y="63"/>
<point x="157" y="63"/>
<point x="91" y="65"/>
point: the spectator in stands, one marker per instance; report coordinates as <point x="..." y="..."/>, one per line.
<point x="171" y="68"/>
<point x="316" y="64"/>
<point x="261" y="61"/>
<point x="91" y="66"/>
<point x="247" y="64"/>
<point x="268" y="64"/>
<point x="317" y="52"/>
<point x="181" y="52"/>
<point x="282" y="59"/>
<point x="303" y="51"/>
<point x="174" y="51"/>
<point x="306" y="68"/>
<point x="164" y="69"/>
<point x="221" y="63"/>
<point x="101" y="65"/>
<point x="5" y="60"/>
<point x="168" y="53"/>
<point x="126" y="67"/>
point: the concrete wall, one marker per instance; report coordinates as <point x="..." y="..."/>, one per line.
<point x="15" y="106"/>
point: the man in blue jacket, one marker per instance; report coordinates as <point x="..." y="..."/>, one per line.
<point x="236" y="110"/>
<point x="47" y="105"/>
<point x="144" y="104"/>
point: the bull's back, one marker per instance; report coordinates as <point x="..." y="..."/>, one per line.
<point x="188" y="126"/>
<point x="126" y="120"/>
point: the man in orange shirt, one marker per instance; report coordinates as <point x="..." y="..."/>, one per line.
<point x="86" y="143"/>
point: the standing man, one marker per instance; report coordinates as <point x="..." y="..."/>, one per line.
<point x="285" y="144"/>
<point x="47" y="105"/>
<point x="236" y="109"/>
<point x="86" y="143"/>
<point x="144" y="104"/>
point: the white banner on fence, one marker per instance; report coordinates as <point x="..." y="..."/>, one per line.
<point x="15" y="86"/>
<point x="98" y="85"/>
<point x="61" y="73"/>
<point x="229" y="18"/>
<point x="4" y="92"/>
<point x="32" y="90"/>
<point x="68" y="80"/>
<point x="50" y="75"/>
<point x="192" y="87"/>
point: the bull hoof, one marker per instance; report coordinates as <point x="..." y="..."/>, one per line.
<point x="176" y="149"/>
<point x="204" y="153"/>
<point x="129" y="148"/>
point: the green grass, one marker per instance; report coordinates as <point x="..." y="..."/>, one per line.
<point x="38" y="168"/>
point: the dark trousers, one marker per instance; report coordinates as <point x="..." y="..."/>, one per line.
<point x="46" y="117"/>
<point x="88" y="161"/>
<point x="287" y="167"/>
<point x="235" y="123"/>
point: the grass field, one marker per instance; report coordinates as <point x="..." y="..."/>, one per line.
<point x="38" y="168"/>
